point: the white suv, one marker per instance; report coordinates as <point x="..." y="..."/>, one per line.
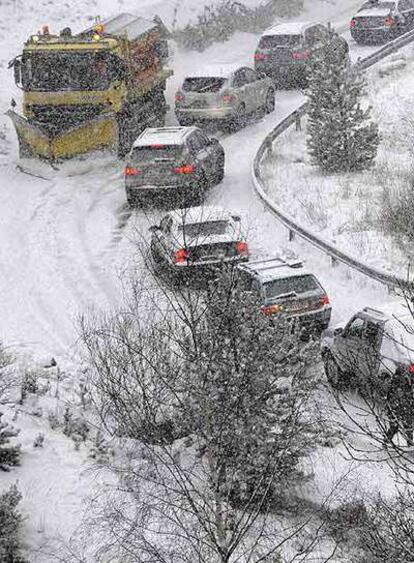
<point x="375" y="343"/>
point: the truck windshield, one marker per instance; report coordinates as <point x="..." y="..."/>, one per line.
<point x="51" y="72"/>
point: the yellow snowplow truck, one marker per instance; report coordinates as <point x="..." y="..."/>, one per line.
<point x="94" y="90"/>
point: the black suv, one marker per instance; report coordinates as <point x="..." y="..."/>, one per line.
<point x="286" y="288"/>
<point x="174" y="165"/>
<point x="378" y="21"/>
<point x="285" y="50"/>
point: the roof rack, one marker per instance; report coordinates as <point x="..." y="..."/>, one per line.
<point x="373" y="311"/>
<point x="260" y="266"/>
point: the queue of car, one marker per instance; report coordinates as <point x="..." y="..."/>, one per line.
<point x="174" y="167"/>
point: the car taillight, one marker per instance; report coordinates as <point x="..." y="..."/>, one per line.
<point x="301" y="55"/>
<point x="131" y="171"/>
<point x="260" y="56"/>
<point x="411" y="368"/>
<point x="271" y="309"/>
<point x="228" y="98"/>
<point x="185" y="169"/>
<point x="241" y="248"/>
<point x="324" y="300"/>
<point x="179" y="97"/>
<point x="180" y="256"/>
<point x="353" y="23"/>
<point x="389" y="21"/>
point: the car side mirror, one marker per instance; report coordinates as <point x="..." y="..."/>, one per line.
<point x="339" y="330"/>
<point x="154" y="228"/>
<point x="236" y="218"/>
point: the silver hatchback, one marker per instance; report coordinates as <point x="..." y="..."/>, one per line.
<point x="224" y="94"/>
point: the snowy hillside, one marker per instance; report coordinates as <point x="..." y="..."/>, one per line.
<point x="69" y="245"/>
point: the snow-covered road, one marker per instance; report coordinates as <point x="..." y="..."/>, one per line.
<point x="61" y="246"/>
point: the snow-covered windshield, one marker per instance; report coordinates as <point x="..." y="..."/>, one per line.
<point x="203" y="84"/>
<point x="296" y="284"/>
<point x="66" y="71"/>
<point x="207" y="228"/>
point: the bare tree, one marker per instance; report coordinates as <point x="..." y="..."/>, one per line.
<point x="215" y="403"/>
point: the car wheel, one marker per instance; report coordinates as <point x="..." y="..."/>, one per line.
<point x="185" y="121"/>
<point x="332" y="371"/>
<point x="131" y="200"/>
<point x="270" y="101"/>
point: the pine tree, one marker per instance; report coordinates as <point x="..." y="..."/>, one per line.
<point x="341" y="135"/>
<point x="10" y="524"/>
<point x="9" y="454"/>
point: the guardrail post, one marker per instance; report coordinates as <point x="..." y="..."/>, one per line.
<point x="334" y="262"/>
<point x="291" y="235"/>
<point x="298" y="124"/>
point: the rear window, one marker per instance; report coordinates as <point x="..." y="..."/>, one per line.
<point x="203" y="84"/>
<point x="270" y="41"/>
<point x="297" y="284"/>
<point x="163" y="152"/>
<point x="207" y="228"/>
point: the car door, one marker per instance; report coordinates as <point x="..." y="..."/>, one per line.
<point x="239" y="87"/>
<point x="348" y="345"/>
<point x="370" y="353"/>
<point x="203" y="152"/>
<point x="255" y="89"/>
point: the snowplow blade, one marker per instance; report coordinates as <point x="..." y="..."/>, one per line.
<point x="98" y="133"/>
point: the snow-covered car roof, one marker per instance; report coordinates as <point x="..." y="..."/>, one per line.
<point x="397" y="315"/>
<point x="289" y="28"/>
<point x="193" y="215"/>
<point x="374" y="11"/>
<point x="222" y="70"/>
<point x="275" y="268"/>
<point x="163" y="136"/>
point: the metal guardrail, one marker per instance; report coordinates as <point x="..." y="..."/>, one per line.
<point x="294" y="228"/>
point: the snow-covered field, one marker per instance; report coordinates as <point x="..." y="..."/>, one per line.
<point x="67" y="244"/>
<point x="347" y="209"/>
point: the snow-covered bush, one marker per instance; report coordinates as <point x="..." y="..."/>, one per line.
<point x="219" y="23"/>
<point x="397" y="203"/>
<point x="341" y="135"/>
<point x="10" y="523"/>
<point x="9" y="453"/>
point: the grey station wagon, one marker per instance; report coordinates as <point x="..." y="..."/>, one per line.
<point x="225" y="94"/>
<point x="173" y="166"/>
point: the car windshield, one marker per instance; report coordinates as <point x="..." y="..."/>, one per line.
<point x="207" y="228"/>
<point x="203" y="84"/>
<point x="380" y="5"/>
<point x="155" y="152"/>
<point x="270" y="41"/>
<point x="294" y="284"/>
<point x="66" y="71"/>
